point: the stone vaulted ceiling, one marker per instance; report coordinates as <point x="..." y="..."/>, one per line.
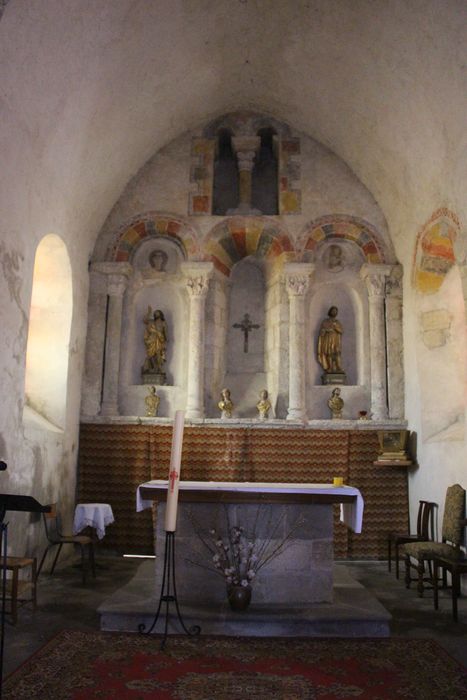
<point x="91" y="89"/>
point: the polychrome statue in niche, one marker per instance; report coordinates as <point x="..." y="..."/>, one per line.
<point x="330" y="348"/>
<point x="155" y="341"/>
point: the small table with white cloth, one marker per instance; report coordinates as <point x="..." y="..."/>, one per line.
<point x="95" y="515"/>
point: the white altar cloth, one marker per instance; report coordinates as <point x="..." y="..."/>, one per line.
<point x="96" y="515"/>
<point x="351" y="512"/>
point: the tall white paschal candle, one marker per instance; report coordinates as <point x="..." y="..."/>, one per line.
<point x="174" y="472"/>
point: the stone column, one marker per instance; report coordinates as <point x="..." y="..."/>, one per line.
<point x="375" y="279"/>
<point x="95" y="341"/>
<point x="117" y="280"/>
<point x="297" y="279"/>
<point x="395" y="342"/>
<point x="197" y="283"/>
<point x="246" y="148"/>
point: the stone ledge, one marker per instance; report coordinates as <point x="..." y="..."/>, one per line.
<point x="274" y="423"/>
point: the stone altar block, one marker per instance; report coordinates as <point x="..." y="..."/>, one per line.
<point x="301" y="574"/>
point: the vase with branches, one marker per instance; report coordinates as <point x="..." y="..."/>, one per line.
<point x="237" y="553"/>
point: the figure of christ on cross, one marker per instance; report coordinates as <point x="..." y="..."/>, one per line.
<point x="246" y="326"/>
<point x="173" y="476"/>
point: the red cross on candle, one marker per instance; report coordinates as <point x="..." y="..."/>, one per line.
<point x="173" y="476"/>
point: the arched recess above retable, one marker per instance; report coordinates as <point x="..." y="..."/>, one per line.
<point x="354" y="270"/>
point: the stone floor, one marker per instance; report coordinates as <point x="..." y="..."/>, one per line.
<point x="64" y="603"/>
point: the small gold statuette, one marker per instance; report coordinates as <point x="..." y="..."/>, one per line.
<point x="263" y="405"/>
<point x="152" y="403"/>
<point x="336" y="403"/>
<point x="225" y="404"/>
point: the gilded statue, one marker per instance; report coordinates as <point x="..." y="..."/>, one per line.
<point x="336" y="403"/>
<point x="155" y="340"/>
<point x="225" y="404"/>
<point x="263" y="405"/>
<point x="152" y="401"/>
<point x="330" y="343"/>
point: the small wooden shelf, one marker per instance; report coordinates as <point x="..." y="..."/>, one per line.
<point x="394" y="463"/>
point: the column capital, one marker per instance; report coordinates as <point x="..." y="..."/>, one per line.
<point x="197" y="276"/>
<point x="375" y="278"/>
<point x="297" y="278"/>
<point x="116" y="274"/>
<point x="246" y="147"/>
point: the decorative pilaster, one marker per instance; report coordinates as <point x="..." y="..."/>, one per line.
<point x="246" y="148"/>
<point x="95" y="341"/>
<point x="375" y="279"/>
<point x="297" y="279"/>
<point x="394" y="342"/>
<point x="197" y="284"/>
<point x="117" y="280"/>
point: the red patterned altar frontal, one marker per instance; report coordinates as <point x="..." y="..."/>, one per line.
<point x="115" y="459"/>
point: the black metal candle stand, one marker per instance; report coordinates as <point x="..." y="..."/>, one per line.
<point x="169" y="594"/>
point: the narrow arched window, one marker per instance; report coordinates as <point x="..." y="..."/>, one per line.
<point x="264" y="186"/>
<point x="49" y="333"/>
<point x="225" y="187"/>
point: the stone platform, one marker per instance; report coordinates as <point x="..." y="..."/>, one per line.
<point x="354" y="612"/>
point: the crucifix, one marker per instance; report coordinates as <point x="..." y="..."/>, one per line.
<point x="246" y="326"/>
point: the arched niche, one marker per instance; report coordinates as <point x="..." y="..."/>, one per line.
<point x="337" y="283"/>
<point x="49" y="333"/>
<point x="325" y="296"/>
<point x="246" y="333"/>
<point x="164" y="294"/>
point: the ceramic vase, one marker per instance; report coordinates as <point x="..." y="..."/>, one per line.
<point x="239" y="597"/>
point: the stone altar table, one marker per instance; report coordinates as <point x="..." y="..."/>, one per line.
<point x="302" y="574"/>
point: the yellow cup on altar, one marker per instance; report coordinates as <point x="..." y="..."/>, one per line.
<point x="338" y="481"/>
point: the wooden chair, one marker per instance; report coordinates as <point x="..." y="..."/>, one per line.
<point x="56" y="538"/>
<point x="20" y="591"/>
<point x="425" y="532"/>
<point x="456" y="567"/>
<point x="449" y="547"/>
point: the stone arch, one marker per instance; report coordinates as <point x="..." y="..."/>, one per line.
<point x="129" y="236"/>
<point x="350" y="228"/>
<point x="434" y="252"/>
<point x="236" y="238"/>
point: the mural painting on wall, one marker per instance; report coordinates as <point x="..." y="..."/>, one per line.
<point x="441" y="324"/>
<point x="155" y="341"/>
<point x="329" y="351"/>
<point x="434" y="252"/>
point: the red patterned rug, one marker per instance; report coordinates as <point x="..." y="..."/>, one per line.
<point x="88" y="665"/>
